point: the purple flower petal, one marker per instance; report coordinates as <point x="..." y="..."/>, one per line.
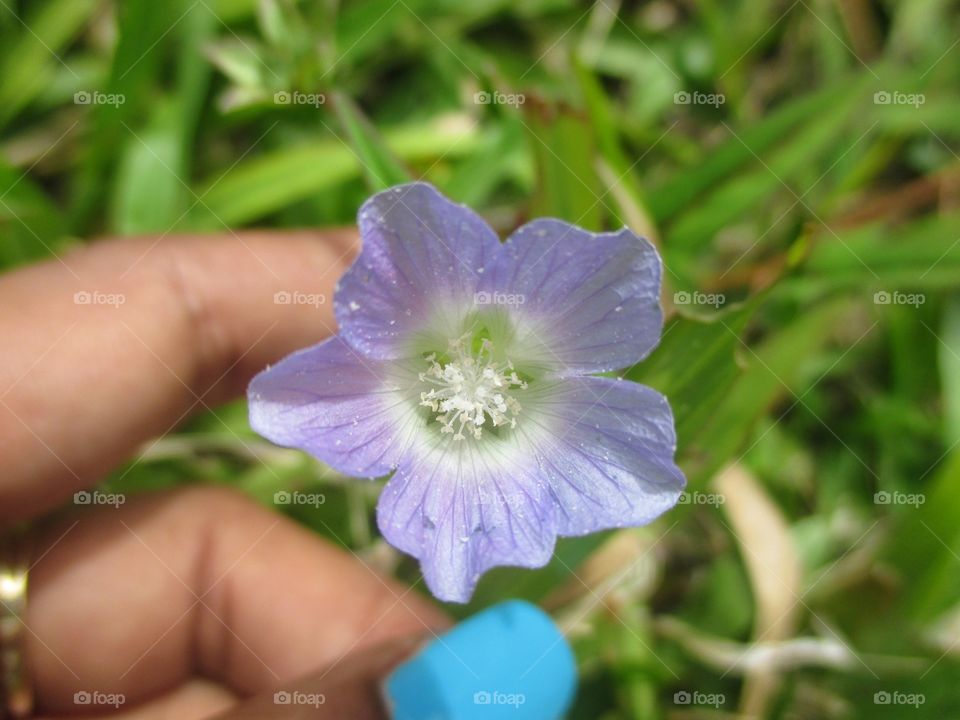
<point x="499" y="442"/>
<point x="588" y="454"/>
<point x="422" y="258"/>
<point x="353" y="413"/>
<point x="462" y="511"/>
<point x="609" y="454"/>
<point x="583" y="302"/>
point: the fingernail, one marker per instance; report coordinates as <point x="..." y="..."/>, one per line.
<point x="509" y="661"/>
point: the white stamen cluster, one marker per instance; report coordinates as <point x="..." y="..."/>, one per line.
<point x="468" y="390"/>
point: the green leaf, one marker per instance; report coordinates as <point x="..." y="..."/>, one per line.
<point x="925" y="545"/>
<point x="774" y="369"/>
<point x="633" y="212"/>
<point x="31" y="226"/>
<point x="380" y="168"/>
<point x="149" y="192"/>
<point x="269" y="183"/>
<point x="670" y="198"/>
<point x="364" y="28"/>
<point x="474" y="180"/>
<point x="923" y="254"/>
<point x="694" y="366"/>
<point x="148" y="30"/>
<point x="28" y="64"/>
<point x="151" y="178"/>
<point x="949" y="360"/>
<point x="768" y="175"/>
<point x="564" y="148"/>
<point x="240" y="61"/>
<point x="276" y="20"/>
<point x="230" y="11"/>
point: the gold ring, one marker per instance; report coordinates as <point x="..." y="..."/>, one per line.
<point x="16" y="694"/>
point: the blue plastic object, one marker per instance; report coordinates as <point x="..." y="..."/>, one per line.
<point x="509" y="661"/>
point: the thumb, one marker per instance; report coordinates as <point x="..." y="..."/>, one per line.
<point x="347" y="689"/>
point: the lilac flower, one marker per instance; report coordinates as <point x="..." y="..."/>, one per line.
<point x="463" y="364"/>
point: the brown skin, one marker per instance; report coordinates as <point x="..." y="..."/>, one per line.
<point x="181" y="601"/>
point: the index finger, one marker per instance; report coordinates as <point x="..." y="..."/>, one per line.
<point x="117" y="342"/>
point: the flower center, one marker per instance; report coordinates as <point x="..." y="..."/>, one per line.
<point x="470" y="389"/>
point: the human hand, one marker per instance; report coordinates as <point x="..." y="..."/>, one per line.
<point x="180" y="602"/>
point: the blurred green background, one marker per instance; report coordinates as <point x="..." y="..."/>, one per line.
<point x="797" y="164"/>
